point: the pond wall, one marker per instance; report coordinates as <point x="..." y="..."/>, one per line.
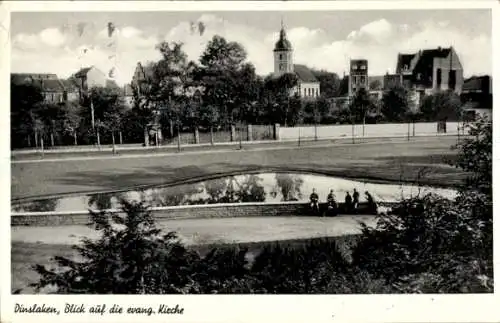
<point x="172" y="212"/>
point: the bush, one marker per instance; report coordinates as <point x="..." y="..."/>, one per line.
<point x="431" y="244"/>
<point x="131" y="257"/>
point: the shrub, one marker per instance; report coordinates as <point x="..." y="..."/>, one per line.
<point x="431" y="244"/>
<point x="289" y="270"/>
<point x="130" y="257"/>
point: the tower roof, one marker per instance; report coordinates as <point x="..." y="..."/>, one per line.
<point x="283" y="44"/>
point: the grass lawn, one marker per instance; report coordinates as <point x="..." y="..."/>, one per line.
<point x="380" y="161"/>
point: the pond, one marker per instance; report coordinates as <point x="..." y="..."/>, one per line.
<point x="263" y="188"/>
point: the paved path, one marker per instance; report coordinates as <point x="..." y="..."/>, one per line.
<point x="218" y="230"/>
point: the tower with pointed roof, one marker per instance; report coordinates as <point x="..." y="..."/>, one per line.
<point x="283" y="54"/>
<point x="307" y="84"/>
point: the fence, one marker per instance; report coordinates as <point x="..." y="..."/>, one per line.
<point x="230" y="134"/>
<point x="371" y="130"/>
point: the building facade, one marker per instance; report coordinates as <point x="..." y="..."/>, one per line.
<point x="308" y="85"/>
<point x="358" y="76"/>
<point x="51" y="87"/>
<point x="430" y="71"/>
<point x="90" y="77"/>
<point x="477" y="97"/>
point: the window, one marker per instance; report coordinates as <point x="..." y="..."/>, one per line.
<point x="438" y="77"/>
<point x="452" y="80"/>
<point x="363" y="67"/>
<point x="281" y="56"/>
<point x="305" y="92"/>
<point x="309" y="92"/>
<point x="317" y="92"/>
<point x="363" y="80"/>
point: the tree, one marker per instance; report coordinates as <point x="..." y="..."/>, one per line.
<point x="230" y="84"/>
<point x="109" y="110"/>
<point x="210" y="116"/>
<point x="25" y="100"/>
<point x="145" y="107"/>
<point x="443" y="105"/>
<point x="132" y="256"/>
<point x="285" y="106"/>
<point x="475" y="157"/>
<point x="329" y="83"/>
<point x="173" y="77"/>
<point x="222" y="55"/>
<point x="360" y="105"/>
<point x="395" y="104"/>
<point x="72" y="119"/>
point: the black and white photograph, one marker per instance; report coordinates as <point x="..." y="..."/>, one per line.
<point x="228" y="151"/>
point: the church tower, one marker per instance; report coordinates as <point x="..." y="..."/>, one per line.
<point x="283" y="55"/>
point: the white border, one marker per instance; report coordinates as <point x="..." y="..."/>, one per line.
<point x="316" y="308"/>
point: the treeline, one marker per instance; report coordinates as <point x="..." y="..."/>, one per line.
<point x="220" y="89"/>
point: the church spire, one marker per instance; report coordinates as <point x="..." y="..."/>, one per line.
<point x="282" y="31"/>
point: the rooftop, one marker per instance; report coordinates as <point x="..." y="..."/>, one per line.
<point x="304" y="73"/>
<point x="283" y="44"/>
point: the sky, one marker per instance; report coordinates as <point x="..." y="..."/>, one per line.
<point x="55" y="42"/>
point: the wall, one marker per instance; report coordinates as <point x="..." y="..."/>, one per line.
<point x="258" y="132"/>
<point x="286" y="60"/>
<point x="95" y="78"/>
<point x="305" y="86"/>
<point x="370" y="131"/>
<point x="174" y="212"/>
<point x="444" y="65"/>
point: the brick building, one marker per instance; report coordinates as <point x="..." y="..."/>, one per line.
<point x="52" y="88"/>
<point x="429" y="71"/>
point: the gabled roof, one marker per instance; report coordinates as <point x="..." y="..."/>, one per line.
<point x="304" y="73"/>
<point x="477" y="84"/>
<point x="70" y="85"/>
<point x="404" y="60"/>
<point x="46" y="82"/>
<point x="83" y="71"/>
<point x="427" y="57"/>
<point x="20" y="78"/>
<point x="50" y="85"/>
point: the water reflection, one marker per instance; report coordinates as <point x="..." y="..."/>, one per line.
<point x="45" y="205"/>
<point x="289" y="185"/>
<point x="267" y="187"/>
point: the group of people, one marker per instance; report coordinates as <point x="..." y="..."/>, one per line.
<point x="351" y="203"/>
